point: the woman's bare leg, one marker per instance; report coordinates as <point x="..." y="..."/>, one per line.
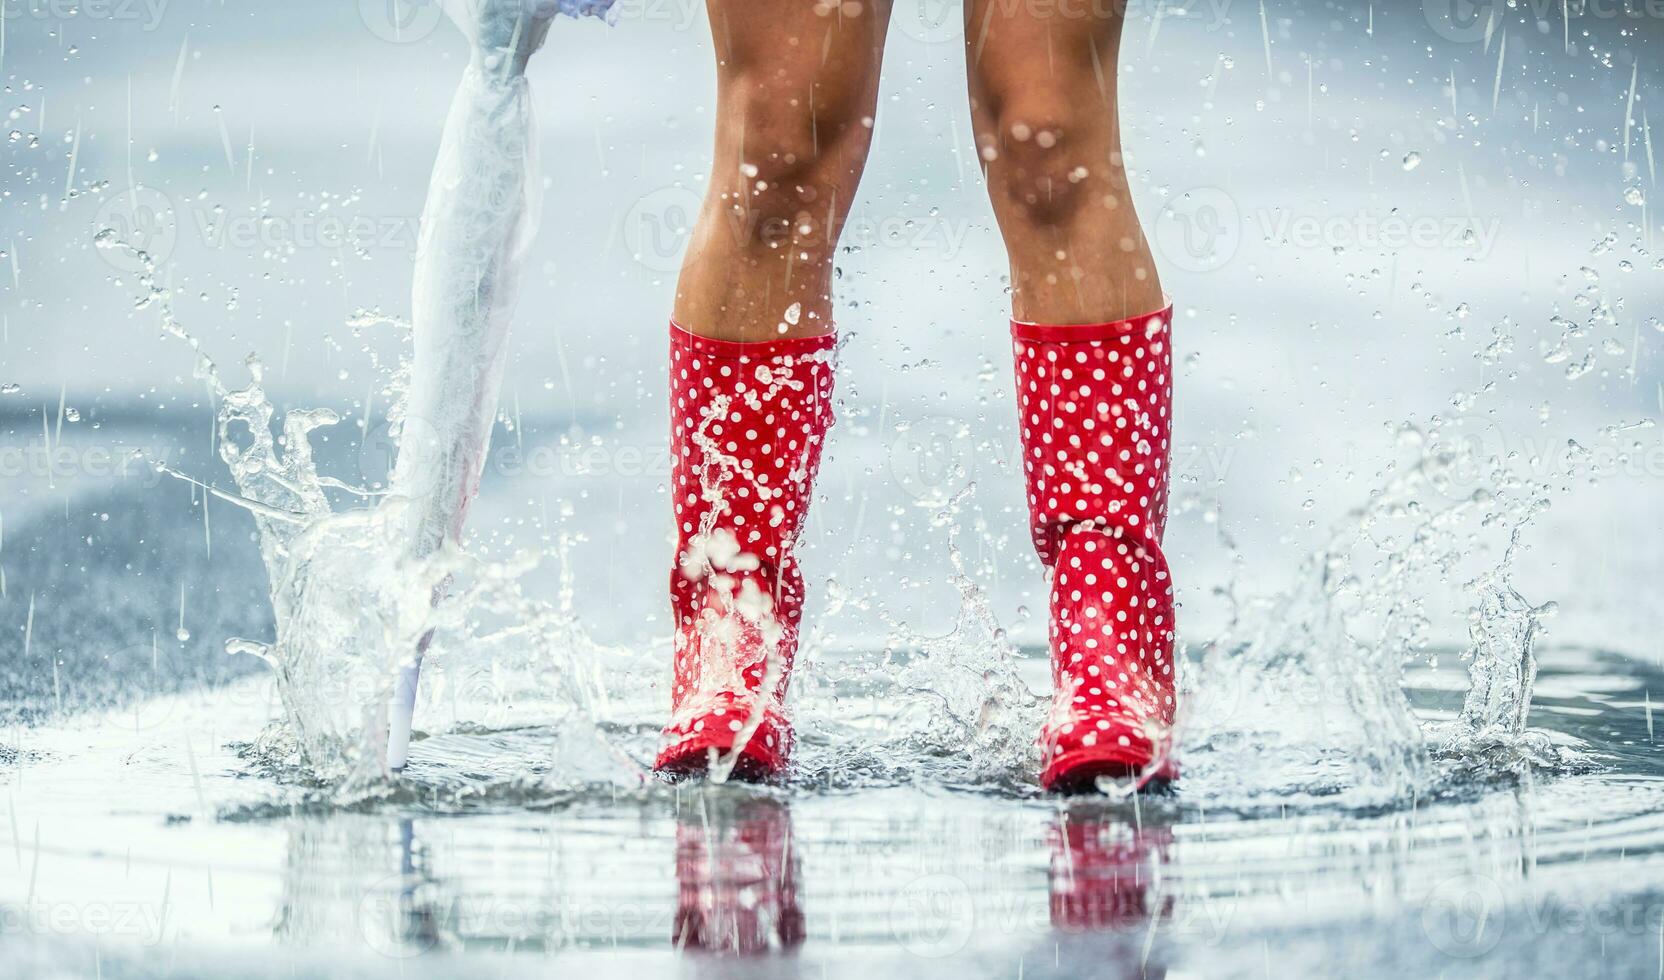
<point x="797" y="86"/>
<point x="1091" y="342"/>
<point x="752" y="364"/>
<point x="1044" y="109"/>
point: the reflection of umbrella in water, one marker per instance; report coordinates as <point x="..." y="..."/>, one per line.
<point x="419" y="919"/>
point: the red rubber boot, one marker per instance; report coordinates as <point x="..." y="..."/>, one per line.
<point x="747" y="425"/>
<point x="1095" y="418"/>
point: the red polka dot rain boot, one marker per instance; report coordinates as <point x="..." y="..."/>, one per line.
<point x="747" y="425"/>
<point x="1095" y="418"/>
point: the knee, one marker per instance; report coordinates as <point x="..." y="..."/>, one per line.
<point x="778" y="143"/>
<point x="1045" y="157"/>
<point x="795" y="158"/>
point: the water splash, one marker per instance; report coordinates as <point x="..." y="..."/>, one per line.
<point x="351" y="604"/>
<point x="1309" y="683"/>
<point x="1302" y="693"/>
<point x="950" y="709"/>
<point x="1492" y="735"/>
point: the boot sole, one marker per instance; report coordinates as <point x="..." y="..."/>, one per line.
<point x="689" y="765"/>
<point x="758" y="761"/>
<point x="1077" y="772"/>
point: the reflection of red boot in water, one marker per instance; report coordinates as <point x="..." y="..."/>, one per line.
<point x="1095" y="414"/>
<point x="1105" y="874"/>
<point x="747" y="424"/>
<point x="736" y="878"/>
